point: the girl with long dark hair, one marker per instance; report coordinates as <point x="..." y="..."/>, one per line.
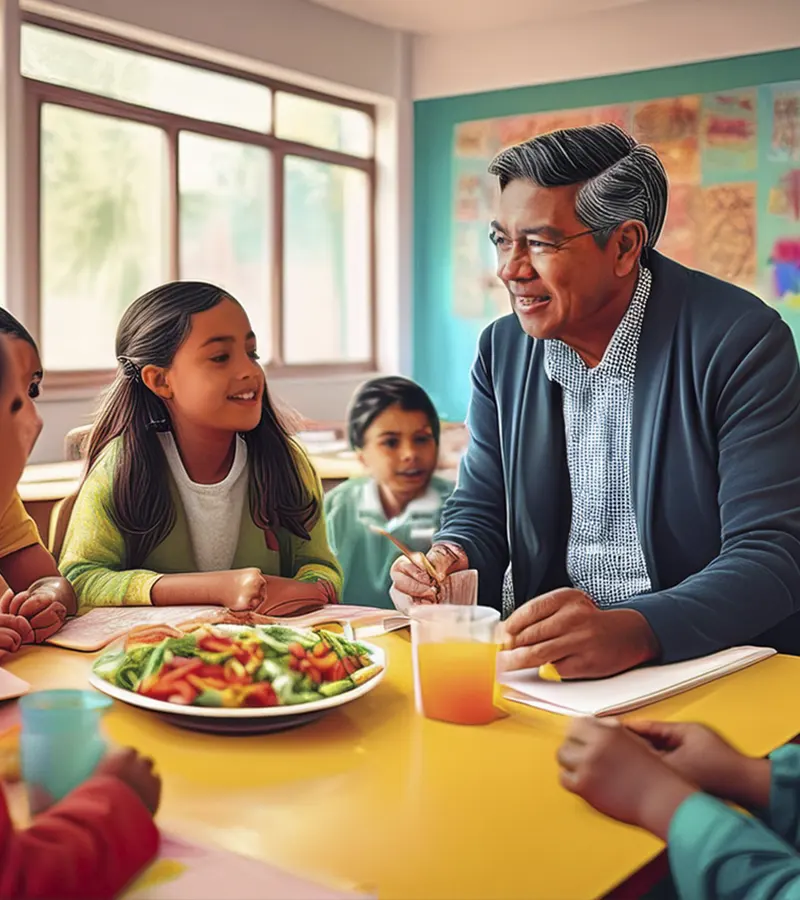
<point x="195" y="492"/>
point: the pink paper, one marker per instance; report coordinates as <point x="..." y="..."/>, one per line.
<point x="185" y="871"/>
<point x="11" y="687"/>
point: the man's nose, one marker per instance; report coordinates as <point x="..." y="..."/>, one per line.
<point x="517" y="265"/>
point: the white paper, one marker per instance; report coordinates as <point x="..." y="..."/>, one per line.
<point x="101" y="626"/>
<point x="629" y="690"/>
<point x="186" y="871"/>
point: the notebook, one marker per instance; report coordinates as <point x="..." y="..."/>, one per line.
<point x="629" y="690"/>
<point x="99" y="627"/>
<point x="185" y="871"/>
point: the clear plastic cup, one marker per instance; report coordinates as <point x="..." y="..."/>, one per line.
<point x="61" y="742"/>
<point x="454" y="649"/>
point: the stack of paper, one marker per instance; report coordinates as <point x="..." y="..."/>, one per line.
<point x="630" y="690"/>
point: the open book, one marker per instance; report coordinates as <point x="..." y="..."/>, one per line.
<point x="99" y="627"/>
<point x="629" y="690"/>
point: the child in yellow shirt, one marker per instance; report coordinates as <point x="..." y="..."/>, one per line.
<point x="37" y="592"/>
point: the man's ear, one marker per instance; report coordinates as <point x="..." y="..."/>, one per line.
<point x="155" y="378"/>
<point x="629" y="241"/>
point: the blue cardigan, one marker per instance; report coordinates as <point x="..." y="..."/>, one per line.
<point x="715" y="467"/>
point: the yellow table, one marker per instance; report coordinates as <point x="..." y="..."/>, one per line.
<point x="374" y="797"/>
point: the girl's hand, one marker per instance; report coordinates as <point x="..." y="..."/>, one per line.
<point x="243" y="589"/>
<point x="413" y="580"/>
<point x="621" y="775"/>
<point x="701" y="756"/>
<point x="40" y="607"/>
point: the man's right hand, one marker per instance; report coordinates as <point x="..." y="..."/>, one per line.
<point x="412" y="578"/>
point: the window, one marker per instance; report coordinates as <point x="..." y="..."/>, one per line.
<point x="147" y="167"/>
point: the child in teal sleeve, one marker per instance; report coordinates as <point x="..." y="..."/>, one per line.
<point x="394" y="427"/>
<point x="672" y="779"/>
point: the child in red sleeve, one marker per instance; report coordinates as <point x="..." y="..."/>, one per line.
<point x="98" y="838"/>
<point x="92" y="844"/>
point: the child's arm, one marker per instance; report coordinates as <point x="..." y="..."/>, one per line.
<point x="90" y="845"/>
<point x="314" y="560"/>
<point x="716" y="853"/>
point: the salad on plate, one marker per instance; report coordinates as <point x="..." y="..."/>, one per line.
<point x="237" y="667"/>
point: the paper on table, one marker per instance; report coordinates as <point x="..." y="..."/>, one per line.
<point x="186" y="871"/>
<point x="12" y="687"/>
<point x="99" y="627"/>
<point x="630" y="690"/>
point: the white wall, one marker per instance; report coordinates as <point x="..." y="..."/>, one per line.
<point x="643" y="36"/>
<point x="294" y="40"/>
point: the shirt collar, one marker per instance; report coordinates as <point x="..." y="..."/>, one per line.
<point x="371" y="509"/>
<point x="563" y="365"/>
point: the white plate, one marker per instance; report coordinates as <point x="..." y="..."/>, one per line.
<point x="251" y="720"/>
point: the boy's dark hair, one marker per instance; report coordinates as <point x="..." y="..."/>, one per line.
<point x="9" y="325"/>
<point x="377" y="395"/>
<point x="151" y="330"/>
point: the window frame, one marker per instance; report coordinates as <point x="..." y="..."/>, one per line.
<point x="37" y="93"/>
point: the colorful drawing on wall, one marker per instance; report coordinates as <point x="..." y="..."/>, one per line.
<point x="679" y="239"/>
<point x="785" y="125"/>
<point x="728" y="130"/>
<point x="728" y="233"/>
<point x="671" y="127"/>
<point x="733" y="161"/>
<point x="785" y="263"/>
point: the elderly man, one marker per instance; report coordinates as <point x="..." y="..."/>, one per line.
<point x="634" y="430"/>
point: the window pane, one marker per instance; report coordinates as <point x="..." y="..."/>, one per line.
<point x="76" y="62"/>
<point x="104" y="232"/>
<point x="225" y="222"/>
<point x="326" y="296"/>
<point x="323" y="124"/>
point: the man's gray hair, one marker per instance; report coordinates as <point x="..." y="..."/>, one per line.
<point x="621" y="178"/>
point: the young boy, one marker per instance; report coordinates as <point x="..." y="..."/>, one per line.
<point x="92" y="843"/>
<point x="394" y="427"/>
<point x="38" y="592"/>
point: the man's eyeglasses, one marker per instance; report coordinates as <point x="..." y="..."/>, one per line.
<point x="504" y="244"/>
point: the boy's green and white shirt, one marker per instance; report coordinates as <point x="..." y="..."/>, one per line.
<point x="367" y="557"/>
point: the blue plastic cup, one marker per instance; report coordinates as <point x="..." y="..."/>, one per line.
<point x="61" y="742"/>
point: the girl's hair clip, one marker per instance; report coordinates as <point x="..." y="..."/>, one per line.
<point x="129" y="368"/>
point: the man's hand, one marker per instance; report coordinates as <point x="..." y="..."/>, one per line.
<point x="564" y="627"/>
<point x="621" y="775"/>
<point x="413" y="579"/>
<point x="701" y="756"/>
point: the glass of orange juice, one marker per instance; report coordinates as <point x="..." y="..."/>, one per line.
<point x="454" y="649"/>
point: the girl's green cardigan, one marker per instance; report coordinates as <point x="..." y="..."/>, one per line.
<point x="93" y="554"/>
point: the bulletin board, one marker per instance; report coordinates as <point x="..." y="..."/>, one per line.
<point x="733" y="161"/>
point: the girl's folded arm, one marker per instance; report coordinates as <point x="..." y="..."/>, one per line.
<point x="93" y="555"/>
<point x="88" y="847"/>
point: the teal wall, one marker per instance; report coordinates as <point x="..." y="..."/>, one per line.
<point x="444" y="345"/>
